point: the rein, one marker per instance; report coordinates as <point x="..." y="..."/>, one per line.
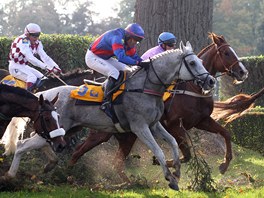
<point x="227" y="68"/>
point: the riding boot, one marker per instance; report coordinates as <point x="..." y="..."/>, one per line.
<point x="106" y="104"/>
<point x="30" y="86"/>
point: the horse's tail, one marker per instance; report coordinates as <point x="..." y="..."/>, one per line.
<point x="234" y="107"/>
<point x="14" y="130"/>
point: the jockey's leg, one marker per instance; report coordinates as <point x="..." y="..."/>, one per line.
<point x="108" y="93"/>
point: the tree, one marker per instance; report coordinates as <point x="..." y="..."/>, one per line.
<point x="189" y="20"/>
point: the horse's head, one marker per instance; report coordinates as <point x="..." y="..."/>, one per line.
<point x="47" y="124"/>
<point x="194" y="69"/>
<point x="222" y="58"/>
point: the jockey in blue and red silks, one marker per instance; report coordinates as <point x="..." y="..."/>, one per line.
<point x="121" y="44"/>
<point x="23" y="51"/>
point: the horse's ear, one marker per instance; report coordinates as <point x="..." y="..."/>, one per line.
<point x="41" y="99"/>
<point x="182" y="47"/>
<point x="188" y="44"/>
<point x="55" y="99"/>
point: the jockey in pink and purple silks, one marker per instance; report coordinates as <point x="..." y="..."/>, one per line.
<point x="166" y="41"/>
<point x="23" y="51"/>
<point x="119" y="43"/>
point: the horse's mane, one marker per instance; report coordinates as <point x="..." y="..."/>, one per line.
<point x="17" y="91"/>
<point x="166" y="53"/>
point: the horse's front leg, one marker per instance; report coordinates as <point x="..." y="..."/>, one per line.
<point x="24" y="146"/>
<point x="213" y="127"/>
<point x="159" y="131"/>
<point x="144" y="134"/>
<point x="53" y="158"/>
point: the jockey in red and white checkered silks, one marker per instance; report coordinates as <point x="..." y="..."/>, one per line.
<point x="23" y="51"/>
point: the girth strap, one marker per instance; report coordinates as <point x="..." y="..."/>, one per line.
<point x="145" y="91"/>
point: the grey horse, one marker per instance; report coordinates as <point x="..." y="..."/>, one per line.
<point x="140" y="110"/>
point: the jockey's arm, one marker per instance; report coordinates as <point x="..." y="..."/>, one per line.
<point x="50" y="64"/>
<point x="25" y="50"/>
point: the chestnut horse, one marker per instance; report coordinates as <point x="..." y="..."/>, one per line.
<point x="187" y="108"/>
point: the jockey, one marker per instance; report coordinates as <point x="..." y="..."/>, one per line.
<point x="23" y="51"/>
<point x="166" y="41"/>
<point x="121" y="44"/>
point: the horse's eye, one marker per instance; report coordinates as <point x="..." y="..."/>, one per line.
<point x="192" y="63"/>
<point x="226" y="54"/>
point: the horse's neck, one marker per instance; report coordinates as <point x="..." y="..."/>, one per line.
<point x="189" y="86"/>
<point x="209" y="61"/>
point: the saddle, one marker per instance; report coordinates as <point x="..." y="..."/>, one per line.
<point x="15" y="82"/>
<point x="92" y="93"/>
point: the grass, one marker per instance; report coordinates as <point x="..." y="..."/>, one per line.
<point x="244" y="178"/>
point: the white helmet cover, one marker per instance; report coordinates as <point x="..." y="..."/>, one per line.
<point x="32" y="28"/>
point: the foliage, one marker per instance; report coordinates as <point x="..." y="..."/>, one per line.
<point x="241" y="22"/>
<point x="200" y="172"/>
<point x="248" y="130"/>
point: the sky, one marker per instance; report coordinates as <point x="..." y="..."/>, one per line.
<point x="103" y="7"/>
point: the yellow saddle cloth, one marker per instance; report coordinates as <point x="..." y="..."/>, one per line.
<point x="12" y="81"/>
<point x="93" y="93"/>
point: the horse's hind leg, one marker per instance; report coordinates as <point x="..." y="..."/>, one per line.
<point x="94" y="138"/>
<point x="24" y="146"/>
<point x="126" y="142"/>
<point x="212" y="126"/>
<point x="144" y="134"/>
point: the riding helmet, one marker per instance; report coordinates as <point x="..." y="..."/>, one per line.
<point x="166" y="37"/>
<point x="135" y="31"/>
<point x="32" y="28"/>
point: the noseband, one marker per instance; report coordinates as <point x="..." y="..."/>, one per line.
<point x="228" y="69"/>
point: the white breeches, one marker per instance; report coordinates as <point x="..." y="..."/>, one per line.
<point x="110" y="67"/>
<point x="24" y="72"/>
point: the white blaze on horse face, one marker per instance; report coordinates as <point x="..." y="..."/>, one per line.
<point x="241" y="65"/>
<point x="56" y="117"/>
<point x="59" y="131"/>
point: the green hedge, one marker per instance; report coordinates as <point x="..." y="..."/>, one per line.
<point x="68" y="51"/>
<point x="248" y="131"/>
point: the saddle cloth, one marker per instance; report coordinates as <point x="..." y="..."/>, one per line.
<point x="93" y="93"/>
<point x="14" y="82"/>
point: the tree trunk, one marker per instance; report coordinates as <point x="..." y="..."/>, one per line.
<point x="188" y="20"/>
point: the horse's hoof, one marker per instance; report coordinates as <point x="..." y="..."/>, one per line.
<point x="174" y="186"/>
<point x="155" y="161"/>
<point x="185" y="159"/>
<point x="48" y="167"/>
<point x="223" y="168"/>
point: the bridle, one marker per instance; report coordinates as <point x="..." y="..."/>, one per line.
<point x="228" y="69"/>
<point x="195" y="77"/>
<point x="44" y="133"/>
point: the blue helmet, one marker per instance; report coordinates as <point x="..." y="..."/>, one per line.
<point x="135" y="31"/>
<point x="166" y="38"/>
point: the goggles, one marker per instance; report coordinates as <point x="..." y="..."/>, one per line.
<point x="170" y="44"/>
<point x="35" y="34"/>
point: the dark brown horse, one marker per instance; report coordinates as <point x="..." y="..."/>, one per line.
<point x="17" y="102"/>
<point x="187" y="108"/>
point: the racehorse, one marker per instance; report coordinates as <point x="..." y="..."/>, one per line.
<point x="17" y="102"/>
<point x="141" y="104"/>
<point x="187" y="108"/>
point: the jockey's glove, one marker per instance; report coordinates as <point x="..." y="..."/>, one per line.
<point x="54" y="70"/>
<point x="144" y="65"/>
